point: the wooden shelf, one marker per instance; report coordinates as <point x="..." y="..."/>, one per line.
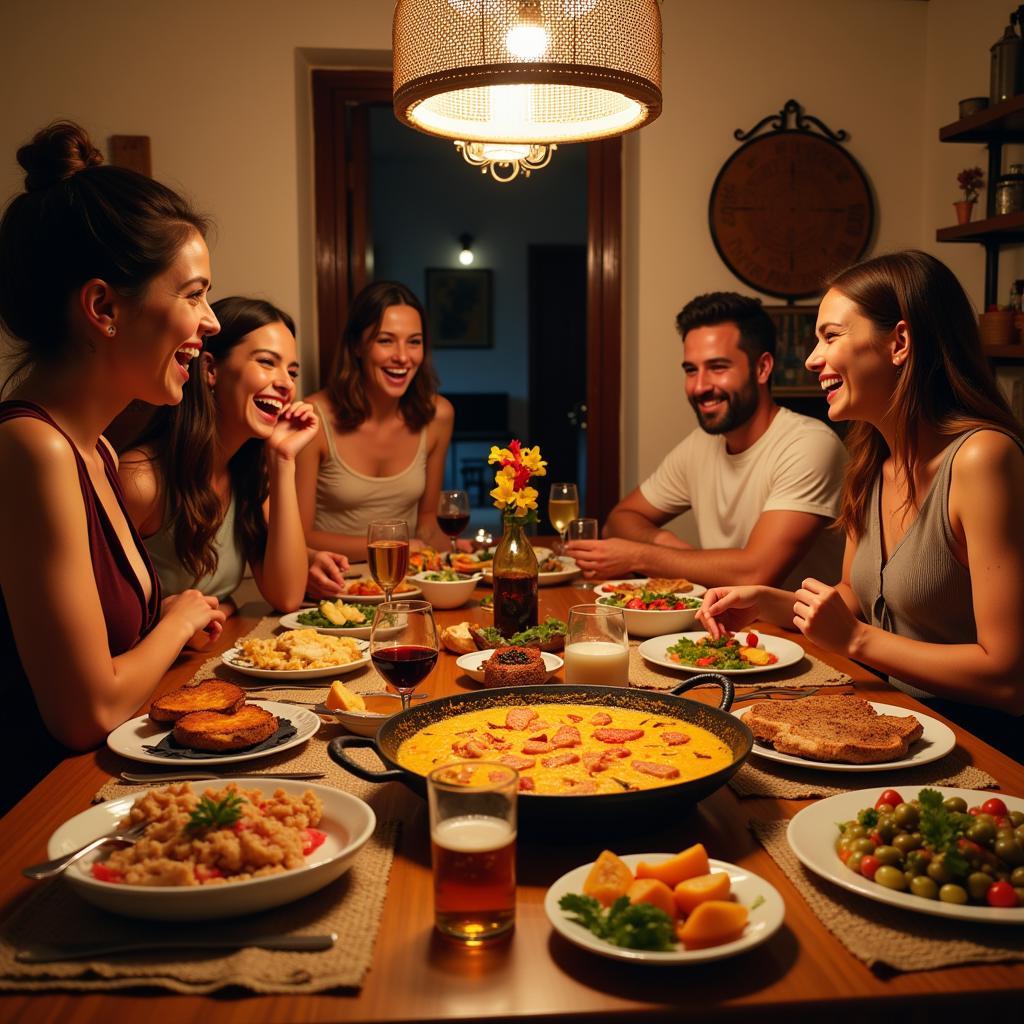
<point x="1003" y="121"/>
<point x="1003" y="351"/>
<point x="1004" y="228"/>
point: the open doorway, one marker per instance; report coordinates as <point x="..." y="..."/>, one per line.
<point x="346" y="107"/>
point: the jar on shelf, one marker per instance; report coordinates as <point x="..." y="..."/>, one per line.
<point x="1010" y="190"/>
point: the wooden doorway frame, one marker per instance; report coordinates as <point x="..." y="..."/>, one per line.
<point x="340" y="155"/>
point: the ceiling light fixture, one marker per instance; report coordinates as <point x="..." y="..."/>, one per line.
<point x="525" y="74"/>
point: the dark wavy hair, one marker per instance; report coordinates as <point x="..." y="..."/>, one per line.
<point x="346" y="388"/>
<point x="182" y="437"/>
<point x="757" y="332"/>
<point x="78" y="219"/>
<point x="946" y="380"/>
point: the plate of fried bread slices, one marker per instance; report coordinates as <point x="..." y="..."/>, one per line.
<point x="211" y="723"/>
<point x="844" y="733"/>
<point x="297" y="655"/>
<point x="634" y="588"/>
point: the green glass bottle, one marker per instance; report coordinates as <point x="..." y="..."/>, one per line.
<point x="515" y="579"/>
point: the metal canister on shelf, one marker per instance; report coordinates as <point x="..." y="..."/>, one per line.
<point x="1010" y="190"/>
<point x="1006" y="63"/>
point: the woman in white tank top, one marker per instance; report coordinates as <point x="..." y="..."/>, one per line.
<point x="384" y="433"/>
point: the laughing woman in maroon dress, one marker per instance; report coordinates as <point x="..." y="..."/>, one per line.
<point x="103" y="282"/>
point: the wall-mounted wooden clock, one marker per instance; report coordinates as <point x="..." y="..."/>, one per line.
<point x="790" y="208"/>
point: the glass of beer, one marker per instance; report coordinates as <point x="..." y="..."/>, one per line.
<point x="596" y="646"/>
<point x="473" y="849"/>
<point x="387" y="549"/>
<point x="583" y="529"/>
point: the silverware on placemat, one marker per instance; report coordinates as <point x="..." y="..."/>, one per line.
<point x="198" y="775"/>
<point x="769" y="691"/>
<point x="46" y="954"/>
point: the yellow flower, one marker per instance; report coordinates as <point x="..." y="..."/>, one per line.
<point x="499" y="455"/>
<point x="504" y="493"/>
<point x="533" y="462"/>
<point x="525" y="499"/>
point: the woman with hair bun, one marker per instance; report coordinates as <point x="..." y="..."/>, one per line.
<point x="103" y="281"/>
<point x="210" y="485"/>
<point x="932" y="593"/>
<point x="386" y="430"/>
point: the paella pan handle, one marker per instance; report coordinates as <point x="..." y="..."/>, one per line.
<point x="337" y="747"/>
<point x="728" y="691"/>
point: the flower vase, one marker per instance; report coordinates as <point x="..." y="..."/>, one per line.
<point x="964" y="210"/>
<point x="515" y="579"/>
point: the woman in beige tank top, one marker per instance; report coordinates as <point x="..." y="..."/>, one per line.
<point x="932" y="593"/>
<point x="384" y="434"/>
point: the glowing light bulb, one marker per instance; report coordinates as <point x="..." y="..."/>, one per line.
<point x="527" y="38"/>
<point x="466" y="257"/>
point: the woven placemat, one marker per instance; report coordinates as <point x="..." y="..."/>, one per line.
<point x="762" y="778"/>
<point x="351" y="906"/>
<point x="808" y="671"/>
<point x="878" y="934"/>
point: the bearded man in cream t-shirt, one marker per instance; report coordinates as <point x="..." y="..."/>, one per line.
<point x="763" y="482"/>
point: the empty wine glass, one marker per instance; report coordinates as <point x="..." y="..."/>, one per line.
<point x="583" y="529"/>
<point x="453" y="515"/>
<point x="387" y="548"/>
<point x="563" y="507"/>
<point x="403" y="644"/>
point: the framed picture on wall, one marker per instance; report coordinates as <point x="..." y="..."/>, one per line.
<point x="459" y="308"/>
<point x="794" y="340"/>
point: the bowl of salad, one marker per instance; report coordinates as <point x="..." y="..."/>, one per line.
<point x="446" y="588"/>
<point x="653" y="613"/>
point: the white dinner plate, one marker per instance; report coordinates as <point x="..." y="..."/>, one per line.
<point x="787" y="651"/>
<point x="936" y="741"/>
<point x="298" y="676"/>
<point x="549" y="579"/>
<point x="813" y="832"/>
<point x="348" y="822"/>
<point x="747" y="888"/>
<point x="129" y="739"/>
<point x="696" y="590"/>
<point x="473" y="664"/>
<point x="361" y="633"/>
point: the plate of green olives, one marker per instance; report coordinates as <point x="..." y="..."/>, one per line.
<point x="955" y="853"/>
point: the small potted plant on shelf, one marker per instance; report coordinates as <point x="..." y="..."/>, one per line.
<point x="970" y="180"/>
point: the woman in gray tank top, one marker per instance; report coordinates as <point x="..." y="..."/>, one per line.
<point x="932" y="594"/>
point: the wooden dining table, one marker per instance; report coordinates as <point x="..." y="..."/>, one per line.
<point x="802" y="972"/>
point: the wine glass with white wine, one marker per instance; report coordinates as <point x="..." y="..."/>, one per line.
<point x="387" y="548"/>
<point x="563" y="507"/>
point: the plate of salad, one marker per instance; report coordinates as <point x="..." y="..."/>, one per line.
<point x="334" y="618"/>
<point x="744" y="653"/>
<point x="641" y="932"/>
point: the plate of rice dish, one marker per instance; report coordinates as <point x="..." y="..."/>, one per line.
<point x="221" y="849"/>
<point x="297" y="654"/>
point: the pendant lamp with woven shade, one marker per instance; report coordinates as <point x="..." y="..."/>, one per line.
<point x="528" y="73"/>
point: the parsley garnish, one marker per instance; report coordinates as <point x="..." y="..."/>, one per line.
<point x="216" y="813"/>
<point x="631" y="925"/>
<point x="868" y="817"/>
<point x="941" y="828"/>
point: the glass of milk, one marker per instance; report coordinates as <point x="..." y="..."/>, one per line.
<point x="597" y="646"/>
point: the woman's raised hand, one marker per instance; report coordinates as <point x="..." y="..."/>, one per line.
<point x="326" y="574"/>
<point x="198" y="614"/>
<point x="729" y="608"/>
<point x="821" y="614"/>
<point x="296" y="427"/>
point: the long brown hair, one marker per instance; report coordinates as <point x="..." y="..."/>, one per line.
<point x="946" y="381"/>
<point x="347" y="389"/>
<point x="182" y="440"/>
<point x="78" y="219"/>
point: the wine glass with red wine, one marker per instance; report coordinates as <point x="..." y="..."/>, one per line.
<point x="387" y="549"/>
<point x="403" y="644"/>
<point x="453" y="514"/>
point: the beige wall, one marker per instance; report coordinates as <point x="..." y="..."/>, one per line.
<point x="221" y="87"/>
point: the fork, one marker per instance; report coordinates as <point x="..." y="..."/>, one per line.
<point x="54" y="867"/>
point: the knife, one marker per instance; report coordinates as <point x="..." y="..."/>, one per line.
<point x="198" y="776"/>
<point x="44" y="954"/>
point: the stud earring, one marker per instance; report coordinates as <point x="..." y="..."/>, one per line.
<point x="111" y="330"/>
